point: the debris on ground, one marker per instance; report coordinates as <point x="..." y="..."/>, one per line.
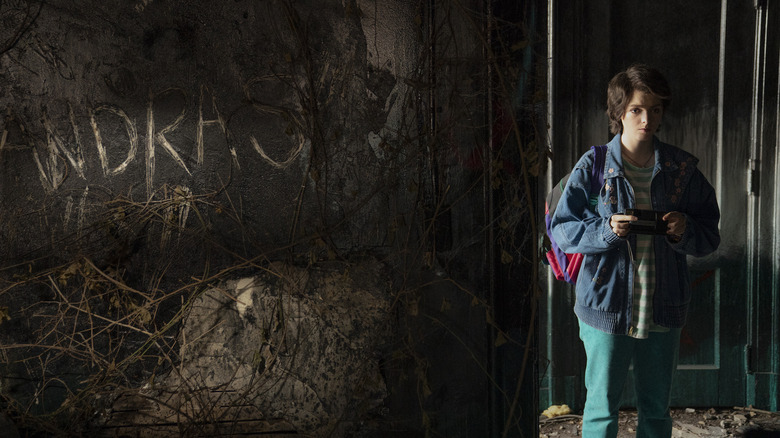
<point x="688" y="423"/>
<point x="556" y="411"/>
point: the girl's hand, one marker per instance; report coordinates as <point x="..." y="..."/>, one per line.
<point x="676" y="224"/>
<point x="620" y="223"/>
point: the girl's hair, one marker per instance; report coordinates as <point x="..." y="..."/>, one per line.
<point x="636" y="77"/>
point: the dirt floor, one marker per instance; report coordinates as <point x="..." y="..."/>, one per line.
<point x="688" y="423"/>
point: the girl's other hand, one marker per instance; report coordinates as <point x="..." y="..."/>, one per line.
<point x="676" y="223"/>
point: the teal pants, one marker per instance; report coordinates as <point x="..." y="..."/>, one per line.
<point x="608" y="360"/>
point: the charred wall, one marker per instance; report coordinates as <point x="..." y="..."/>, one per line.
<point x="270" y="216"/>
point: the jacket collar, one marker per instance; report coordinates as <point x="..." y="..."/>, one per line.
<point x="667" y="158"/>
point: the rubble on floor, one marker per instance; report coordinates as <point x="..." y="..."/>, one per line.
<point x="746" y="422"/>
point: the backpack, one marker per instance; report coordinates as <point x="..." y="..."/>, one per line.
<point x="566" y="267"/>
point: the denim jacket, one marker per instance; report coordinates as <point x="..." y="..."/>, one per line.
<point x="605" y="284"/>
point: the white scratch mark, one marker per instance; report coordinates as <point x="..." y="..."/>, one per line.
<point x="132" y="135"/>
<point x="68" y="212"/>
<point x="149" y="146"/>
<point x="176" y="213"/>
<point x="220" y="121"/>
<point x="55" y="141"/>
<point x="5" y="131"/>
<point x="52" y="174"/>
<point x="302" y="142"/>
<point x="159" y="137"/>
<point x="82" y="210"/>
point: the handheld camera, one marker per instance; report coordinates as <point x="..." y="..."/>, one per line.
<point x="648" y="222"/>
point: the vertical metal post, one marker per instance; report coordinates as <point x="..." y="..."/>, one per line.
<point x="773" y="323"/>
<point x="764" y="215"/>
<point x="753" y="170"/>
<point x="548" y="181"/>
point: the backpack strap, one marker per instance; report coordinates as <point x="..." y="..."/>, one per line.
<point x="597" y="171"/>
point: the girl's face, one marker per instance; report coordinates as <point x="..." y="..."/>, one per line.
<point x="642" y="118"/>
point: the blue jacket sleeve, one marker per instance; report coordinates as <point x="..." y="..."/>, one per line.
<point x="702" y="214"/>
<point x="575" y="226"/>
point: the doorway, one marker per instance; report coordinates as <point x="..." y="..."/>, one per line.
<point x="724" y="110"/>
